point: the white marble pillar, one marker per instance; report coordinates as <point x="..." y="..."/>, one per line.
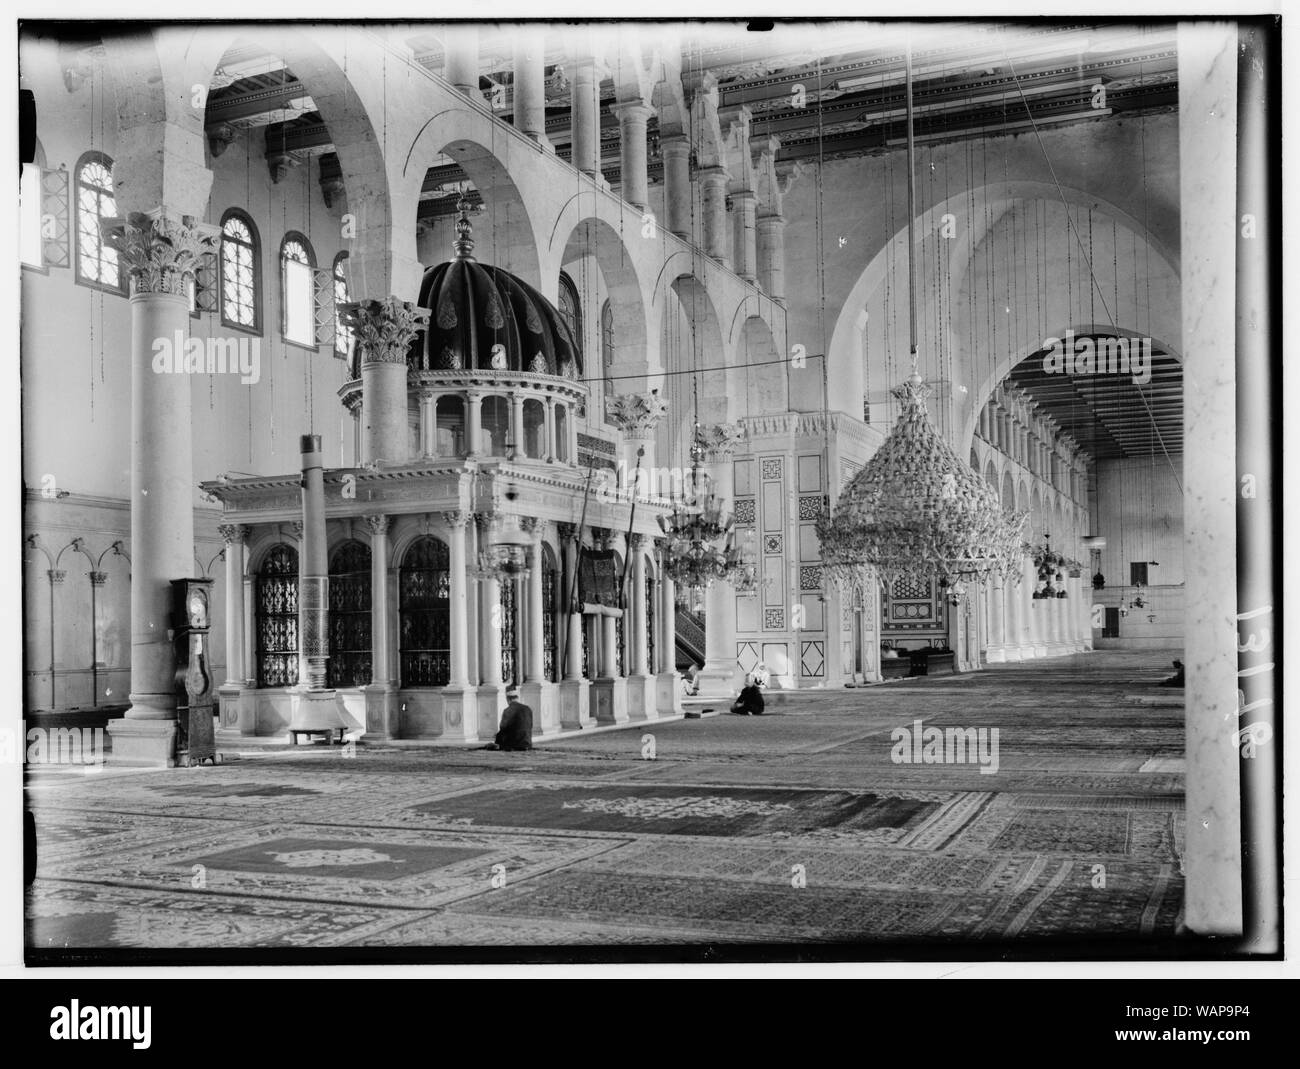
<point x="162" y="473"/>
<point x="745" y="203"/>
<point x="530" y="86"/>
<point x="517" y="424"/>
<point x="584" y="85"/>
<point x="637" y="662"/>
<point x="382" y="719"/>
<point x="771" y="256"/>
<point x="676" y="152"/>
<point x="609" y="666"/>
<point x="718" y="678"/>
<point x="474" y="413"/>
<point x="1207" y="124"/>
<point x="634" y="183"/>
<point x="461" y="64"/>
<point x="996" y="650"/>
<point x="535" y="661"/>
<point x="1034" y="644"/>
<point x="394" y="323"/>
<point x="428" y="424"/>
<point x="460" y="721"/>
<point x="550" y="430"/>
<point x="235" y="537"/>
<point x="713" y="186"/>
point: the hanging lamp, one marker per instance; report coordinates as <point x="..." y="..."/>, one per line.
<point x="916" y="509"/>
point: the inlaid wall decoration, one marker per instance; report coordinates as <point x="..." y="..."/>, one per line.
<point x="915" y="606"/>
<point x="743" y="510"/>
<point x="773" y="619"/>
<point x="812" y="659"/>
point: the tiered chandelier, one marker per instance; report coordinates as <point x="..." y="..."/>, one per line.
<point x="916" y="510"/>
<point x="701" y="545"/>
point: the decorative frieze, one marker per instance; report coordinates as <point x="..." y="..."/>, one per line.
<point x="384" y="329"/>
<point x="162" y="252"/>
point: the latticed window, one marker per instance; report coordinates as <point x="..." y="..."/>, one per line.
<point x="96" y="261"/>
<point x="349" y="664"/>
<point x="298" y="290"/>
<point x="342" y="332"/>
<point x="239" y="285"/>
<point x="508" y="650"/>
<point x="424" y="609"/>
<point x="277" y="618"/>
<point x="570" y="307"/>
<point x="548" y="621"/>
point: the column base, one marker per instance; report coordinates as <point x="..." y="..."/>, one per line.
<point x="459" y="714"/>
<point x="717" y="681"/>
<point x="542" y="698"/>
<point x="383" y="720"/>
<point x="228" y="695"/>
<point x="142" y="743"/>
<point x="490" y="703"/>
<point x="609" y="700"/>
<point x="575" y="705"/>
<point x="668" y="694"/>
<point x="641" y="697"/>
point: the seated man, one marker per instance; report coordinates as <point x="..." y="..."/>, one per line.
<point x="516" y="732"/>
<point x="750" y="702"/>
<point x="691" y="680"/>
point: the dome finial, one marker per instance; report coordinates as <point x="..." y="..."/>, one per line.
<point x="464" y="243"/>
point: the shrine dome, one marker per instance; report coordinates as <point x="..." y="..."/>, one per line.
<point x="483" y="318"/>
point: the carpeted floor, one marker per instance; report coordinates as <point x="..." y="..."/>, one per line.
<point x="801" y="826"/>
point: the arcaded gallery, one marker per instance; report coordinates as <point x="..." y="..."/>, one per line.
<point x="380" y="377"/>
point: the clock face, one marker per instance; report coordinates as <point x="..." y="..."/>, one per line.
<point x="198" y="608"/>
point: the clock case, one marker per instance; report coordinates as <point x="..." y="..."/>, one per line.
<point x="191" y="624"/>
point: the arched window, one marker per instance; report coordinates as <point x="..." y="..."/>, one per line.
<point x="607" y="346"/>
<point x="96" y="262"/>
<point x="298" y="290"/>
<point x="342" y="332"/>
<point x="240" y="270"/>
<point x="349" y="663"/>
<point x="424" y="610"/>
<point x="571" y="307"/>
<point x="277" y="618"/>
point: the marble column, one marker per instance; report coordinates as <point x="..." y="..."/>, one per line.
<point x="713" y="186"/>
<point x="490" y="622"/>
<point x="676" y="152"/>
<point x="718" y="678"/>
<point x="536" y="609"/>
<point x="745" y="204"/>
<point x="585" y="89"/>
<point x="381" y="715"/>
<point x="996" y="650"/>
<point x="1013" y="623"/>
<point x="517" y="424"/>
<point x="1207" y="123"/>
<point x="459" y="719"/>
<point x="313" y="572"/>
<point x="428" y="424"/>
<point x="530" y="86"/>
<point x="159" y="252"/>
<point x="771" y="256"/>
<point x="550" y="430"/>
<point x="474" y="412"/>
<point x="235" y="537"/>
<point x="634" y="183"/>
<point x="461" y="65"/>
<point x="1035" y="645"/>
<point x="384" y="331"/>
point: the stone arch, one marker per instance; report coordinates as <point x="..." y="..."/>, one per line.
<point x="991" y="474"/>
<point x="692" y="342"/>
<point x="760" y="369"/>
<point x="1009" y="500"/>
<point x="594" y="236"/>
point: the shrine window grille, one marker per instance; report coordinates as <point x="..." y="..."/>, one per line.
<point x="277" y="618"/>
<point x="349" y="605"/>
<point x="424" y="613"/>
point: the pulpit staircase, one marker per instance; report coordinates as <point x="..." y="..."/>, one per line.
<point x="690" y="639"/>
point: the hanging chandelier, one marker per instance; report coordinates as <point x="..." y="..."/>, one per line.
<point x="700" y="543"/>
<point x="507" y="547"/>
<point x="916" y="510"/>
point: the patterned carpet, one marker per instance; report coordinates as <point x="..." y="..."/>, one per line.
<point x="793" y="828"/>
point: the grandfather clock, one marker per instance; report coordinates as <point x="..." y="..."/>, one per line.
<point x="191" y="622"/>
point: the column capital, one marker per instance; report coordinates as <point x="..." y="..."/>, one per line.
<point x="719" y="440"/>
<point x="532" y="525"/>
<point x="714" y="174"/>
<point x="377" y="524"/>
<point x="636" y="542"/>
<point x="384" y="329"/>
<point x="456" y="519"/>
<point x="632" y="111"/>
<point x="233" y="534"/>
<point x="162" y="251"/>
<point x="636" y="414"/>
<point x="566" y="531"/>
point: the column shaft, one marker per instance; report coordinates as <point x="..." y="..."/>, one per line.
<point x="459" y="676"/>
<point x="585" y="87"/>
<point x="676" y="152"/>
<point x="632" y="119"/>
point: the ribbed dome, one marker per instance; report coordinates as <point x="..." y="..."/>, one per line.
<point x="474" y="308"/>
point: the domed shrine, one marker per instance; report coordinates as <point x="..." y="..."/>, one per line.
<point x="466" y="550"/>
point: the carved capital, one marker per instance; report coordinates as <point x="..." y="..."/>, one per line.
<point x="98" y="578"/>
<point x="296" y="528"/>
<point x="384" y="329"/>
<point x="57" y="575"/>
<point x="719" y="440"/>
<point x="455" y="519"/>
<point x="636" y="542"/>
<point x="233" y="534"/>
<point x="531" y="524"/>
<point x="636" y="414"/>
<point x="161" y="252"/>
<point x="566" y="531"/>
<point x="377" y="524"/>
